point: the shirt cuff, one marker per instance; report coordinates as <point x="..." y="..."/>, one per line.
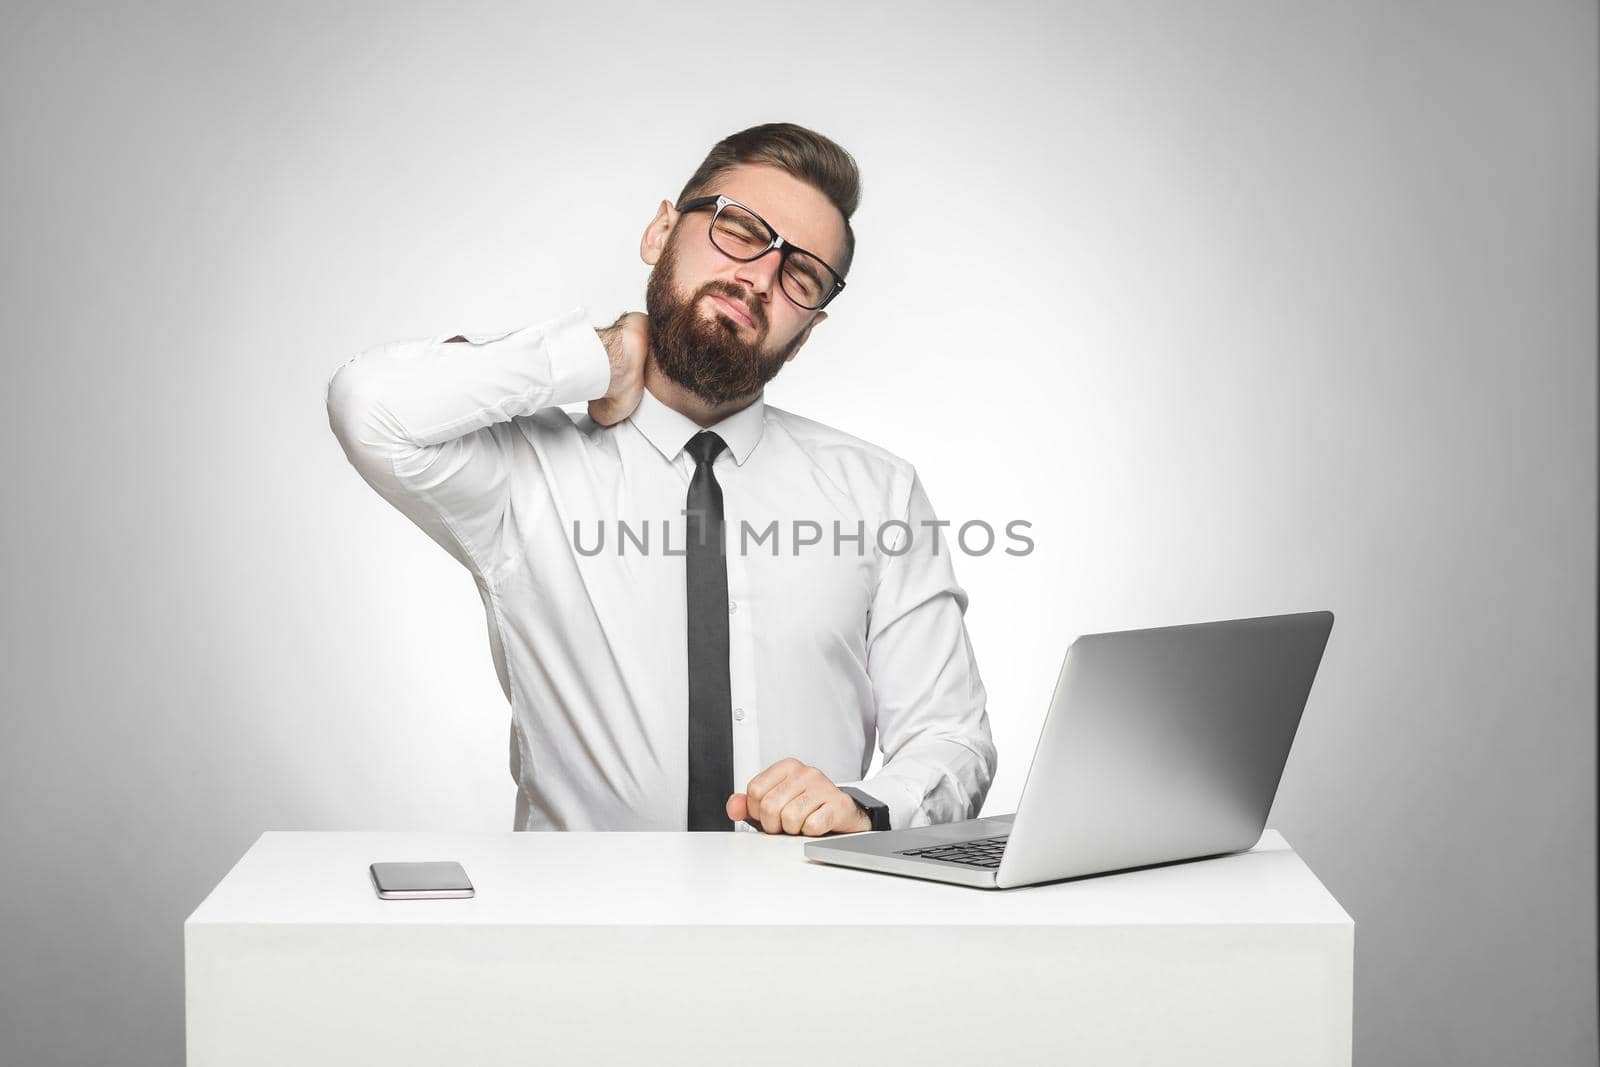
<point x="580" y="368"/>
<point x="578" y="355"/>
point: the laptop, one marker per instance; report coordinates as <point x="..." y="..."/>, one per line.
<point x="1160" y="745"/>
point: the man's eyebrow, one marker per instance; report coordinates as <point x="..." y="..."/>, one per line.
<point x="748" y="221"/>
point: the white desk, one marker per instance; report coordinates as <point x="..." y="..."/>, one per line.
<point x="640" y="948"/>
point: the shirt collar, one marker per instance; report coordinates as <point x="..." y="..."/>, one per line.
<point x="670" y="430"/>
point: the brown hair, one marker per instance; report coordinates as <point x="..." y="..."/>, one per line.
<point x="806" y="154"/>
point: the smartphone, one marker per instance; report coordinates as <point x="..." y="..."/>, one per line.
<point x="440" y="879"/>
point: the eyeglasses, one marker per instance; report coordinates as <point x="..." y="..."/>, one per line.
<point x="739" y="233"/>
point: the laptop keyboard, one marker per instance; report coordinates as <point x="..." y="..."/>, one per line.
<point x="984" y="852"/>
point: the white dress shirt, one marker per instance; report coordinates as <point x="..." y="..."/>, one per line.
<point x="830" y="644"/>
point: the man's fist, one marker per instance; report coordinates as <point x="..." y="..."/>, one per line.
<point x="792" y="798"/>
<point x="627" y="342"/>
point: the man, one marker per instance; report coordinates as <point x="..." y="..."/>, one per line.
<point x="797" y="598"/>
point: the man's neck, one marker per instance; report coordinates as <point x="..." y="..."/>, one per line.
<point x="686" y="403"/>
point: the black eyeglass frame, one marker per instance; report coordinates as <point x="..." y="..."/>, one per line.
<point x="783" y="246"/>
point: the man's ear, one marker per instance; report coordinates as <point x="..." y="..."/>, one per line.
<point x="805" y="333"/>
<point x="655" y="236"/>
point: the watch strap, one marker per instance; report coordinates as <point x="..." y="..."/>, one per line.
<point x="876" y="809"/>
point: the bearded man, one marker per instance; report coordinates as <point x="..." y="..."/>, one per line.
<point x="798" y="605"/>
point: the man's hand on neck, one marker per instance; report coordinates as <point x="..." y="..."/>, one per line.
<point x="627" y="343"/>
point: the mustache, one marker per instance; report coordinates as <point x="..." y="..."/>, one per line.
<point x="728" y="292"/>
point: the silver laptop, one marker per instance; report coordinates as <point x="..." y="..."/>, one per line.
<point x="1160" y="745"/>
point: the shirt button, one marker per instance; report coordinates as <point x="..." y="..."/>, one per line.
<point x="738" y="713"/>
<point x="733" y="606"/>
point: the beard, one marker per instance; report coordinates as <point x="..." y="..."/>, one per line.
<point x="707" y="357"/>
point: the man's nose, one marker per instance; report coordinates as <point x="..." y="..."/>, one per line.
<point x="760" y="274"/>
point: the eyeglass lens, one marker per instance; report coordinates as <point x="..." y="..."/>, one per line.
<point x="739" y="234"/>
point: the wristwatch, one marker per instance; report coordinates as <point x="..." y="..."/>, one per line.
<point x="876" y="809"/>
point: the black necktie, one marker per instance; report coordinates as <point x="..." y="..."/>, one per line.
<point x="710" y="699"/>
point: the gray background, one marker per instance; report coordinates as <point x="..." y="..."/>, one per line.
<point x="1247" y="307"/>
